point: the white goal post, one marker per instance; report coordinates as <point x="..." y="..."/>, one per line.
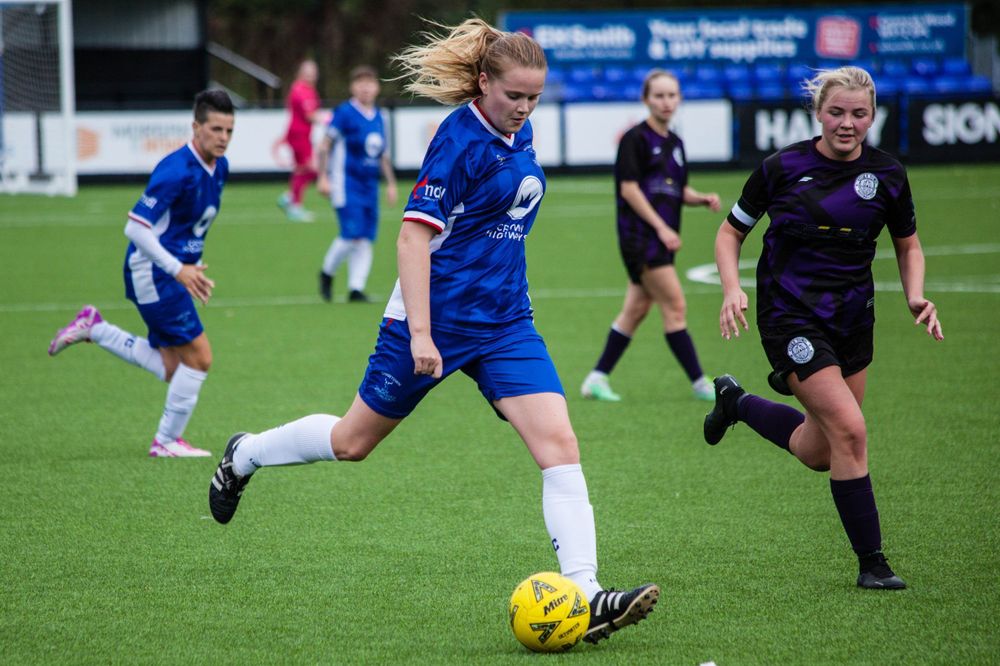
<point x="37" y="98"/>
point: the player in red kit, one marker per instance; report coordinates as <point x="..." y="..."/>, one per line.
<point x="303" y="105"/>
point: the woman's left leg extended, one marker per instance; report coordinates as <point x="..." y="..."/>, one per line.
<point x="305" y="440"/>
<point x="315" y="437"/>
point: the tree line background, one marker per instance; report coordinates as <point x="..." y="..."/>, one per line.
<point x="278" y="34"/>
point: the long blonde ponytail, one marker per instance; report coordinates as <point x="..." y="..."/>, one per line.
<point x="446" y="68"/>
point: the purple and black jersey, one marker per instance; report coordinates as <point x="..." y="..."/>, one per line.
<point x="815" y="265"/>
<point x="657" y="163"/>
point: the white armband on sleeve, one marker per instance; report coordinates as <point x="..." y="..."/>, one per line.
<point x="149" y="244"/>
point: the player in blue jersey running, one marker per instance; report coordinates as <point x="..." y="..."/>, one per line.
<point x="351" y="157"/>
<point x="828" y="199"/>
<point x="164" y="274"/>
<point x="461" y="304"/>
<point x="651" y="185"/>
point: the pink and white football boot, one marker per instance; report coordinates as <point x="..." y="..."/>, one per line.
<point x="176" y="449"/>
<point x="77" y="330"/>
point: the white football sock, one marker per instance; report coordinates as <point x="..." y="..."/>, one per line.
<point x="339" y="249"/>
<point x="129" y="347"/>
<point x="596" y="376"/>
<point x="297" y="443"/>
<point x="359" y="265"/>
<point x="619" y="331"/>
<point x="570" y="521"/>
<point x="182" y="396"/>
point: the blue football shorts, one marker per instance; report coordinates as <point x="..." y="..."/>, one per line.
<point x="505" y="363"/>
<point x="358" y="222"/>
<point x="172" y="322"/>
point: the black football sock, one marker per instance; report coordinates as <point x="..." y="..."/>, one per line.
<point x="773" y="421"/>
<point x="856" y="505"/>
<point x="682" y="346"/>
<point x="613" y="350"/>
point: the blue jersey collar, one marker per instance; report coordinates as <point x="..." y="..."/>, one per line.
<point x="365" y="113"/>
<point x="506" y="138"/>
<point x="194" y="151"/>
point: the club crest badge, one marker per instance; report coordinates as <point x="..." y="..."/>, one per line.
<point x="386" y="390"/>
<point x="800" y="350"/>
<point x="374" y="145"/>
<point x="529" y="193"/>
<point x="678" y="156"/>
<point x="866" y="185"/>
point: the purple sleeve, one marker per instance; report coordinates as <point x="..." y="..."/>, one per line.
<point x="628" y="163"/>
<point x="901" y="217"/>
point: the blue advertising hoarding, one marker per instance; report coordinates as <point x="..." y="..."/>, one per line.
<point x="745" y="36"/>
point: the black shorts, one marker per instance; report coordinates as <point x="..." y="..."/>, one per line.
<point x="642" y="252"/>
<point x="807" y="348"/>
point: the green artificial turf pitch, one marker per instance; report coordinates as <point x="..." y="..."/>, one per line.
<point x="108" y="556"/>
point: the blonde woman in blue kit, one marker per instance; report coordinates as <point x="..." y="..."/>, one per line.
<point x="461" y="304"/>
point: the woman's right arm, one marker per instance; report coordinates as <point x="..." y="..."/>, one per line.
<point x="637" y="201"/>
<point x="728" y="243"/>
<point x="414" y="259"/>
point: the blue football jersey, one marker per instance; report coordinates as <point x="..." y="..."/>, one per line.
<point x="354" y="165"/>
<point x="480" y="190"/>
<point x="180" y="202"/>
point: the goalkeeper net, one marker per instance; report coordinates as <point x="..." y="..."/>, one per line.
<point x="37" y="131"/>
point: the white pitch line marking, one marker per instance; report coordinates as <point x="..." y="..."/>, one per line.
<point x="709" y="274"/>
<point x="705" y="278"/>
